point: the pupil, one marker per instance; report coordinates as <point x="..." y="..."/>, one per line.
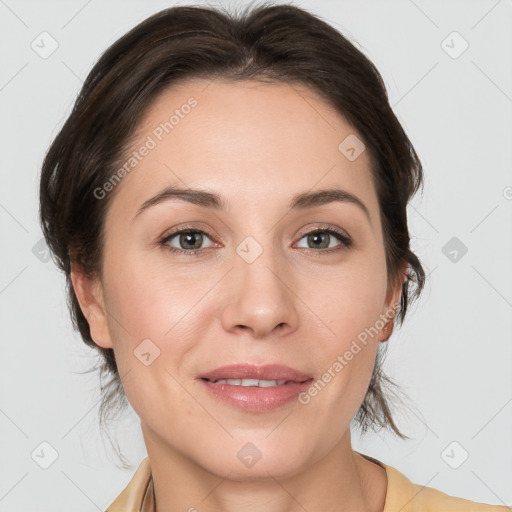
<point x="317" y="237"/>
<point x="191" y="236"/>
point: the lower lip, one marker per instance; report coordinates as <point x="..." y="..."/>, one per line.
<point x="256" y="399"/>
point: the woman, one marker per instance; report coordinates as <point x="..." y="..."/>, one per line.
<point x="228" y="203"/>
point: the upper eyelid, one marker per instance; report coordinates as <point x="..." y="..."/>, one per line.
<point x="338" y="231"/>
<point x="205" y="231"/>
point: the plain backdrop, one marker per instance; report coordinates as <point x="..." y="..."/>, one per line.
<point x="446" y="65"/>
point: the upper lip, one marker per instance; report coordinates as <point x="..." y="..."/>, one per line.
<point x="250" y="371"/>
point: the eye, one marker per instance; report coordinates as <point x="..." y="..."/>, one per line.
<point x="326" y="239"/>
<point x="191" y="241"/>
<point x="187" y="241"/>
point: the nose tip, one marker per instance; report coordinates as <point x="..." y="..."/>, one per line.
<point x="259" y="301"/>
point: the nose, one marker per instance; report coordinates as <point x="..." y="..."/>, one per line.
<point x="259" y="298"/>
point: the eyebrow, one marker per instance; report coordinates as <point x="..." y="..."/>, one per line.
<point x="216" y="202"/>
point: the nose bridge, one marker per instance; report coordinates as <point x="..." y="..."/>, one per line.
<point x="260" y="298"/>
<point x="258" y="266"/>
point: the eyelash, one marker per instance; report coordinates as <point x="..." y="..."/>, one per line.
<point x="346" y="241"/>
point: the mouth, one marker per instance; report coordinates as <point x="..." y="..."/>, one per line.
<point x="277" y="374"/>
<point x="253" y="382"/>
<point x="255" y="388"/>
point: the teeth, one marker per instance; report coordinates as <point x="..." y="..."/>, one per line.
<point x="250" y="382"/>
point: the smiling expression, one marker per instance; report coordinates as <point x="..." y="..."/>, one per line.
<point x="244" y="236"/>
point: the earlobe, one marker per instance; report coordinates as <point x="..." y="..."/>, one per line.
<point x="89" y="294"/>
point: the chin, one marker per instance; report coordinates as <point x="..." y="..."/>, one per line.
<point x="248" y="463"/>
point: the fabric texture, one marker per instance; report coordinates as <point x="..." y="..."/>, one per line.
<point x="402" y="495"/>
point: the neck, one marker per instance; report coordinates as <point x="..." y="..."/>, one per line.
<point x="341" y="481"/>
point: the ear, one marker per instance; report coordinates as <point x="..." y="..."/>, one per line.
<point x="89" y="293"/>
<point x="391" y="305"/>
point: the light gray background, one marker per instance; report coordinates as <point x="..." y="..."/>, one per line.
<point x="453" y="357"/>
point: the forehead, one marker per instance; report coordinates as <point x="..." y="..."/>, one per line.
<point x="245" y="138"/>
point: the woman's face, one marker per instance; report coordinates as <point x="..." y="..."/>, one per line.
<point x="261" y="289"/>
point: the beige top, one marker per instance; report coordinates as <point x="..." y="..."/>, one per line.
<point x="401" y="496"/>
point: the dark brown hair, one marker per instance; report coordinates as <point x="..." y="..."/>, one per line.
<point x="269" y="43"/>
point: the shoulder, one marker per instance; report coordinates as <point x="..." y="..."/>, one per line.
<point x="138" y="495"/>
<point x="407" y="496"/>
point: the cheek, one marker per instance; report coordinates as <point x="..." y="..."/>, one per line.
<point x="346" y="340"/>
<point x="176" y="306"/>
<point x="152" y="299"/>
<point x="349" y="347"/>
<point x="351" y="299"/>
<point x="154" y="324"/>
<point x="156" y="302"/>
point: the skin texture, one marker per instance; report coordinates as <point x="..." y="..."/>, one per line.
<point x="257" y="145"/>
